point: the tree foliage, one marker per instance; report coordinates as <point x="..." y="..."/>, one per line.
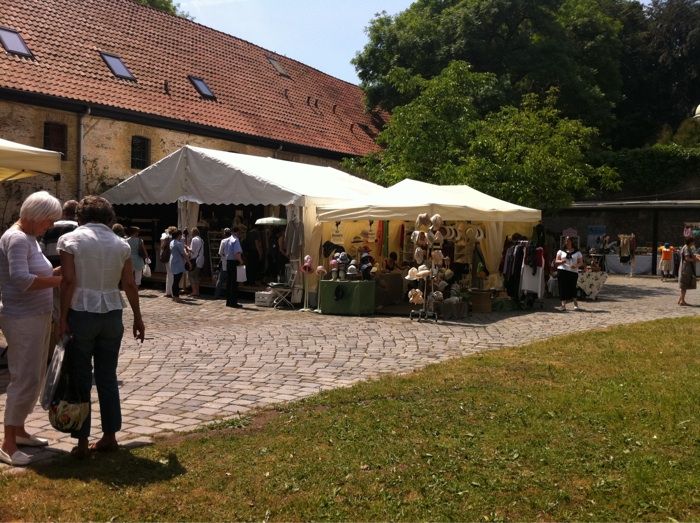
<point x="618" y="66"/>
<point x="168" y="6"/>
<point x="453" y="132"/>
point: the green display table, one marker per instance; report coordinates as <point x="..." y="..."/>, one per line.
<point x="353" y="298"/>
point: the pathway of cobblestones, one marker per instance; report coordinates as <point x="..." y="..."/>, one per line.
<point x="202" y="361"/>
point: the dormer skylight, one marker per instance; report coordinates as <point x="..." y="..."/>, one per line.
<point x="278" y="67"/>
<point x="117" y="66"/>
<point x="13" y="43"/>
<point x="202" y="88"/>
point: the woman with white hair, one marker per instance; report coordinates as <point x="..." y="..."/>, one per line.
<point x="27" y="280"/>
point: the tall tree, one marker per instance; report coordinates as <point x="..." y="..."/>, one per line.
<point x="533" y="44"/>
<point x="452" y="132"/>
<point x="168" y="6"/>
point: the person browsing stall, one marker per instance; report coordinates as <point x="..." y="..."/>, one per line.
<point x="197" y="260"/>
<point x="568" y="261"/>
<point x="233" y="259"/>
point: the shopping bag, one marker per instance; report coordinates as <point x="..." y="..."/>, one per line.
<point x="53" y="374"/>
<point x="146" y="271"/>
<point x="67" y="410"/>
<point x="241" y="274"/>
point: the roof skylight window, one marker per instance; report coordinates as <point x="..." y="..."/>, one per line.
<point x="278" y="67"/>
<point x="116" y="65"/>
<point x="202" y="87"/>
<point x="13" y="43"/>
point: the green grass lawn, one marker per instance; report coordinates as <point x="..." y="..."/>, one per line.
<point x="599" y="426"/>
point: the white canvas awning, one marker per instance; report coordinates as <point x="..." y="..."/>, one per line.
<point x="208" y="176"/>
<point x="19" y="161"/>
<point x="406" y="199"/>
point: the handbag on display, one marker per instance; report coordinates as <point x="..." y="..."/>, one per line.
<point x="241" y="274"/>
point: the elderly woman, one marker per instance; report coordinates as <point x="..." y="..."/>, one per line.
<point x="94" y="260"/>
<point x="179" y="255"/>
<point x="27" y="280"/>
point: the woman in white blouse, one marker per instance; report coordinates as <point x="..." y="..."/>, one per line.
<point x="94" y="260"/>
<point x="569" y="260"/>
<point x="27" y="281"/>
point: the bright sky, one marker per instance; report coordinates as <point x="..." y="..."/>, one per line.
<point x="324" y="34"/>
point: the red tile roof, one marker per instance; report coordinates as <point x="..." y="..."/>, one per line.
<point x="308" y="108"/>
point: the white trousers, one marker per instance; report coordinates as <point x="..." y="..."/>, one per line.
<point x="27" y="352"/>
<point x="168" y="280"/>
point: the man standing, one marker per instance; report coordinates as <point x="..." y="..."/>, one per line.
<point x="233" y="260"/>
<point x="66" y="224"/>
<point x="220" y="289"/>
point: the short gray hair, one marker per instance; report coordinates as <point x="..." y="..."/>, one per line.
<point x="40" y="206"/>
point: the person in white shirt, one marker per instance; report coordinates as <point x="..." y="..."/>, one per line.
<point x="197" y="259"/>
<point x="568" y="261"/>
<point x="94" y="260"/>
<point x="223" y="275"/>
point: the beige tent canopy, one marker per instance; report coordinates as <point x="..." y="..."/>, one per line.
<point x="406" y="199"/>
<point x="19" y="161"/>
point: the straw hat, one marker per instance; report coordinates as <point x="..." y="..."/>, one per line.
<point x="412" y="274"/>
<point x="423" y="271"/>
<point x="352" y="270"/>
<point x="436" y="221"/>
<point x="415" y="296"/>
<point x="321" y="270"/>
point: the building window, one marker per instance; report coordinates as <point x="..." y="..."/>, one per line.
<point x="117" y="66"/>
<point x="56" y="138"/>
<point x="140" y="152"/>
<point x="13" y="43"/>
<point x="202" y="87"/>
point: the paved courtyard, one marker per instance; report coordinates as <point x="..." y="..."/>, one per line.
<point x="202" y="361"/>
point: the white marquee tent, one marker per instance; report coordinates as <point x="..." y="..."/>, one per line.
<point x="19" y="161"/>
<point x="195" y="175"/>
<point x="406" y="199"/>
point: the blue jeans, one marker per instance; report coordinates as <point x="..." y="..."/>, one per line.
<point x="97" y="336"/>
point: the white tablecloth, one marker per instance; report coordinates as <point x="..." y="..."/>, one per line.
<point x="641" y="264"/>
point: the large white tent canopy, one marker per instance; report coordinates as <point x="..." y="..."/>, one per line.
<point x="200" y="175"/>
<point x="19" y="161"/>
<point x="407" y="198"/>
<point x="194" y="175"/>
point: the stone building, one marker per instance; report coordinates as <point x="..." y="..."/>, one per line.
<point x="115" y="86"/>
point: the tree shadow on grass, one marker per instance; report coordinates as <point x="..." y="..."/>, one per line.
<point x="120" y="469"/>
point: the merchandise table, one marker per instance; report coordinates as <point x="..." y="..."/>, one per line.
<point x="591" y="283"/>
<point x="641" y="264"/>
<point x="353" y="298"/>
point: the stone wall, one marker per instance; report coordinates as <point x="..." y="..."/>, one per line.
<point x="106" y="154"/>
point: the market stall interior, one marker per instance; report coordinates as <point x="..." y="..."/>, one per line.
<point x="456" y="242"/>
<point x="193" y="178"/>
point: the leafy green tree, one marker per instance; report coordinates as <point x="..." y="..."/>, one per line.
<point x="532" y="156"/>
<point x="454" y="133"/>
<point x="167" y="6"/>
<point x="533" y="44"/>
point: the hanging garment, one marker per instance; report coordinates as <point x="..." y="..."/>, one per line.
<point x="532" y="272"/>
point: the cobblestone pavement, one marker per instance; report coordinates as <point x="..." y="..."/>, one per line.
<point x="202" y="361"/>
